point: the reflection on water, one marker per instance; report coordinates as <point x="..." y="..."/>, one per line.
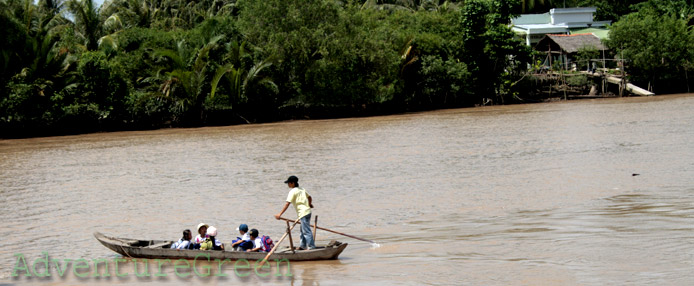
<point x="538" y="194"/>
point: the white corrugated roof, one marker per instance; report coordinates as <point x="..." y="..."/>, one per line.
<point x="541" y="28"/>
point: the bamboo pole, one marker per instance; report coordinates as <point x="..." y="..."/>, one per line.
<point x="336" y="232"/>
<point x="278" y="244"/>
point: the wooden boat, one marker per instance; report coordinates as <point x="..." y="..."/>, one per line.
<point x="153" y="249"/>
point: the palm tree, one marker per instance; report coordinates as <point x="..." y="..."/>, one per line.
<point x="126" y="13"/>
<point x="15" y="31"/>
<point x="240" y="78"/>
<point x="183" y="77"/>
<point x="32" y="57"/>
<point x="87" y="22"/>
<point x="40" y="61"/>
<point x="165" y="14"/>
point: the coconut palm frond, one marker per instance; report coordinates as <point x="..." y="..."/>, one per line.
<point x="218" y="75"/>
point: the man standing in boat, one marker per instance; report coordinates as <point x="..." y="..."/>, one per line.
<point x="302" y="203"/>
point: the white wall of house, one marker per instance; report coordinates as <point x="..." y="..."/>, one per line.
<point x="572" y="15"/>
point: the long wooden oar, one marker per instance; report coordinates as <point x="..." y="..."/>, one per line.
<point x="336" y="232"/>
<point x="278" y="243"/>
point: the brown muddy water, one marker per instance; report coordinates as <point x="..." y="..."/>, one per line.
<point x="541" y="194"/>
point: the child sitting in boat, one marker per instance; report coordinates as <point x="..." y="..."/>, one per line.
<point x="257" y="243"/>
<point x="211" y="243"/>
<point x="184" y="242"/>
<point x="202" y="235"/>
<point x="243" y="230"/>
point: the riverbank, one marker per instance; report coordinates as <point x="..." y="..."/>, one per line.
<point x="547" y="92"/>
<point x="220" y="64"/>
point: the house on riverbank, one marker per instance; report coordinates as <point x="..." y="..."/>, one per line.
<point x="533" y="27"/>
<point x="564" y="48"/>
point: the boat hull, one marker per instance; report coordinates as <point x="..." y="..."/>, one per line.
<point x="159" y="249"/>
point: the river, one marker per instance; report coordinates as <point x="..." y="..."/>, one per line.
<point x="591" y="192"/>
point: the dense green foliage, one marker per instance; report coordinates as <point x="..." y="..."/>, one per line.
<point x="68" y="66"/>
<point x="74" y="67"/>
<point x="658" y="44"/>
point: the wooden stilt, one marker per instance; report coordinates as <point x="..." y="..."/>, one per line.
<point x="291" y="242"/>
<point x="315" y="225"/>
<point x="603" y="84"/>
<point x="686" y="77"/>
<point x="563" y="80"/>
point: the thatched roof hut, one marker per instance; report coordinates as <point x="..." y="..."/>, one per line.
<point x="569" y="44"/>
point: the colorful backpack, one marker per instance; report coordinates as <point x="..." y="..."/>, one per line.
<point x="268" y="245"/>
